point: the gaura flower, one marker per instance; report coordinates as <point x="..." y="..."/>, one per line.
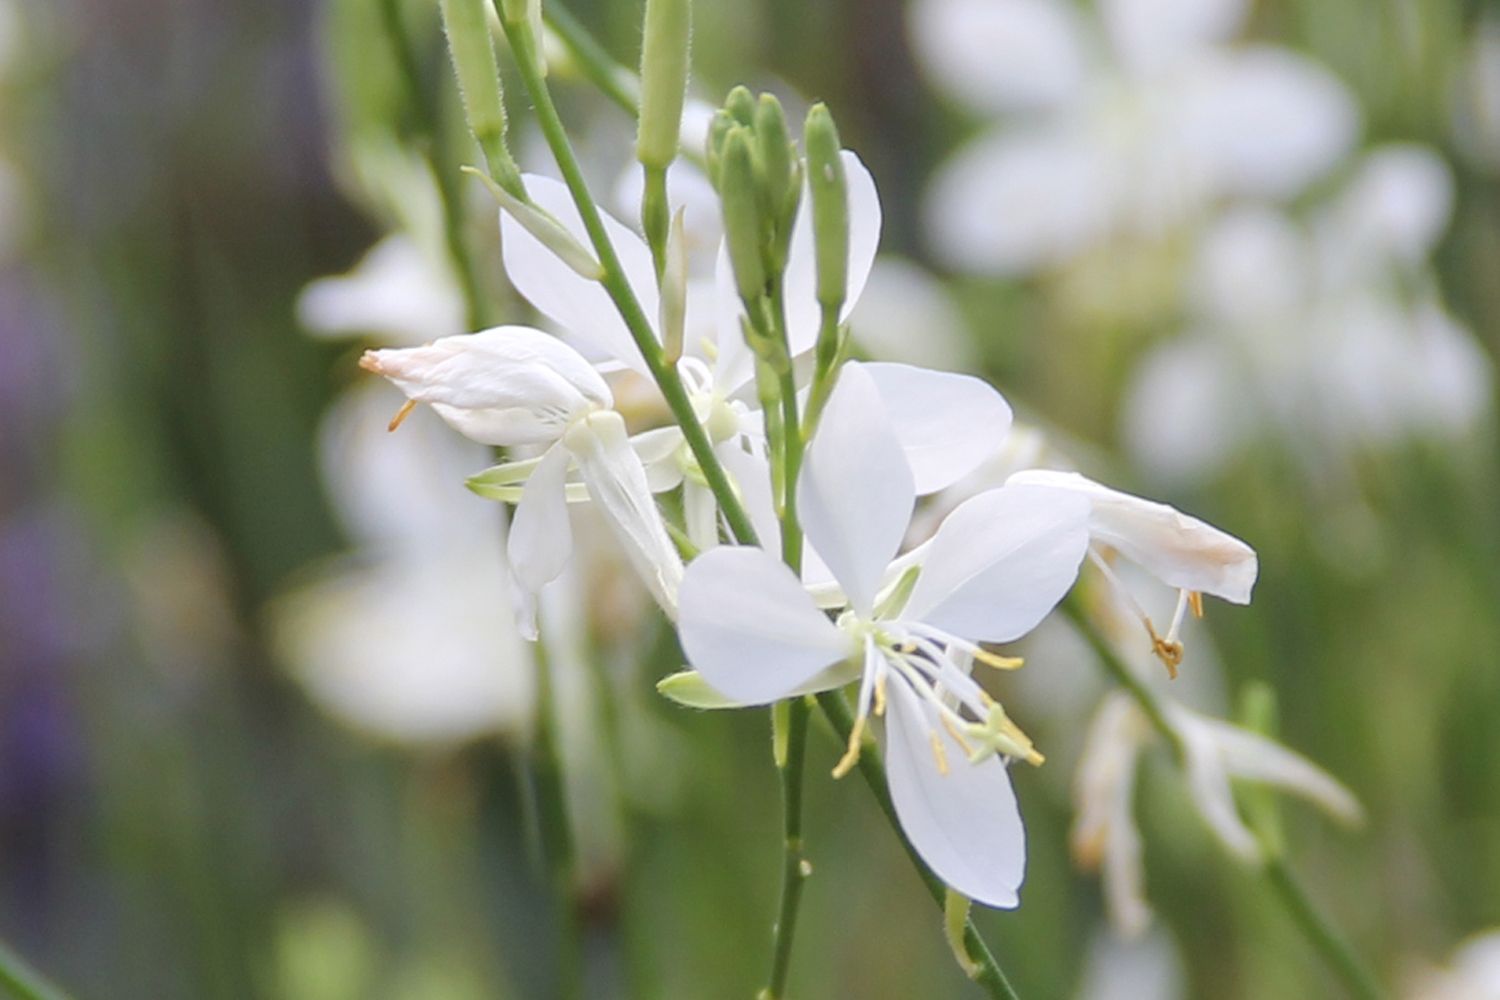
<point x="996" y="567"/>
<point x="396" y="292"/>
<point x="1179" y="550"/>
<point x="513" y="385"/>
<point x="1105" y="835"/>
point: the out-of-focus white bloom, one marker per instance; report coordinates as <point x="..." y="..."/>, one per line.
<point x="907" y="315"/>
<point x="1476" y="98"/>
<point x="1147" y="968"/>
<point x="513" y="385"/>
<point x="1472" y="974"/>
<point x="1127" y="127"/>
<point x="395" y="294"/>
<point x="1181" y="551"/>
<point x="1105" y="835"/>
<point x="407" y="638"/>
<point x="1330" y="333"/>
<point x="996" y="567"/>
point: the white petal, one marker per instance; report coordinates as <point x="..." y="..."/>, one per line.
<point x="617" y="483"/>
<point x="1177" y="549"/>
<point x="1014" y="202"/>
<point x="1266" y="121"/>
<point x="1252" y="757"/>
<point x="1000" y="55"/>
<point x="1208" y="784"/>
<point x="1397" y="205"/>
<point x="964" y="824"/>
<point x="395" y="292"/>
<point x="803" y="315"/>
<point x="948" y="424"/>
<point x="855" y="493"/>
<point x="999" y="563"/>
<point x="541" y="538"/>
<point x="907" y="314"/>
<point x="749" y="627"/>
<point x="580" y="306"/>
<point x="1151" y="35"/>
<point x="734" y="365"/>
<point x="752" y="477"/>
<point x="1252" y="267"/>
<point x="658" y="450"/>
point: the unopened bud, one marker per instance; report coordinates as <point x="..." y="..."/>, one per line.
<point x="742" y="231"/>
<point x="473" y="55"/>
<point x="674" y="291"/>
<point x="664" y="74"/>
<point x="718" y="131"/>
<point x="741" y="106"/>
<point x="830" y="206"/>
<point x="778" y="163"/>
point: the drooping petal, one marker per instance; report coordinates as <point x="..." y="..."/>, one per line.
<point x="965" y="823"/>
<point x="855" y="493"/>
<point x="617" y="483"/>
<point x="948" y="424"/>
<point x="581" y="307"/>
<point x="1212" y="794"/>
<point x="1177" y="549"/>
<point x="999" y="563"/>
<point x="803" y="315"/>
<point x="541" y="537"/>
<point x="1000" y="55"/>
<point x="1252" y="757"/>
<point x="1104" y="833"/>
<point x="748" y="626"/>
<point x="508" y="385"/>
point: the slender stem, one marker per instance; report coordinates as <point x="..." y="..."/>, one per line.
<point x="1356" y="977"/>
<point x="556" y="832"/>
<point x="22" y="981"/>
<point x="450" y="193"/>
<point x="615" y="81"/>
<point x="523" y="46"/>
<point x="794" y="866"/>
<point x="987" y="970"/>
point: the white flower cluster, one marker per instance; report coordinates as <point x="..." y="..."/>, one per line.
<point x="905" y="619"/>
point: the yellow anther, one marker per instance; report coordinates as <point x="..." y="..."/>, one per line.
<point x="880" y="695"/>
<point x="997" y="661"/>
<point x="957" y="736"/>
<point x="401" y="414"/>
<point x="939" y="752"/>
<point x="851" y="756"/>
<point x="1195" y="601"/>
<point x="1169" y="651"/>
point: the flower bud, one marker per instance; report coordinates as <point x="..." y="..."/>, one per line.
<point x="741" y="106"/>
<point x="473" y="55"/>
<point x="780" y="180"/>
<point x="718" y="130"/>
<point x="664" y="74"/>
<point x="742" y="219"/>
<point x="830" y="206"/>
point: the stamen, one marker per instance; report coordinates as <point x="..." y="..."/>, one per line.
<point x="401" y="414"/>
<point x="938" y="752"/>
<point x="954" y="732"/>
<point x="1195" y="601"/>
<point x="1177" y="615"/>
<point x="880" y="695"/>
<point x="851" y="756"/>
<point x="1169" y="651"/>
<point x="996" y="660"/>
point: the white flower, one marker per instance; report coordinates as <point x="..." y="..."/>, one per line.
<point x="1127" y="127"/>
<point x="513" y="385"/>
<point x="1179" y="550"/>
<point x="996" y="567"/>
<point x="396" y="293"/>
<point x="1104" y="833"/>
<point x="1472" y="974"/>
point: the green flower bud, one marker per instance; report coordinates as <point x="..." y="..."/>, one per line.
<point x="473" y="55"/>
<point x="718" y="129"/>
<point x="664" y="74"/>
<point x="741" y="106"/>
<point x="830" y="206"/>
<point x="738" y="194"/>
<point x="776" y="154"/>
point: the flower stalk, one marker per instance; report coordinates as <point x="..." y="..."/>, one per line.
<point x="22" y="981"/>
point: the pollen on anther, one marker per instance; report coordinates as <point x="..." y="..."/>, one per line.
<point x="401" y="414"/>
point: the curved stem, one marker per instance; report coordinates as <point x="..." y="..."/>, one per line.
<point x="22" y="981"/>
<point x="987" y="972"/>
<point x="1341" y="958"/>
<point x="523" y="46"/>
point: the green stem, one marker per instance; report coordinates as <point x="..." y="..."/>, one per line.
<point x="1357" y="979"/>
<point x="987" y="972"/>
<point x="450" y="194"/>
<point x="1340" y="957"/>
<point x="556" y="833"/>
<point x="794" y="867"/>
<point x="22" y="981"/>
<point x="523" y="46"/>
<point x="615" y="81"/>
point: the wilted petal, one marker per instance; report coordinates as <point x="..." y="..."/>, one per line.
<point x="855" y="494"/>
<point x="1000" y="55"/>
<point x="1177" y="549"/>
<point x="947" y="424"/>
<point x="580" y="306"/>
<point x="1209" y="784"/>
<point x="1000" y="562"/>
<point x="965" y="823"/>
<point x="749" y="627"/>
<point x="1252" y="757"/>
<point x="1104" y="833"/>
<point x="508" y="385"/>
<point x="541" y="538"/>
